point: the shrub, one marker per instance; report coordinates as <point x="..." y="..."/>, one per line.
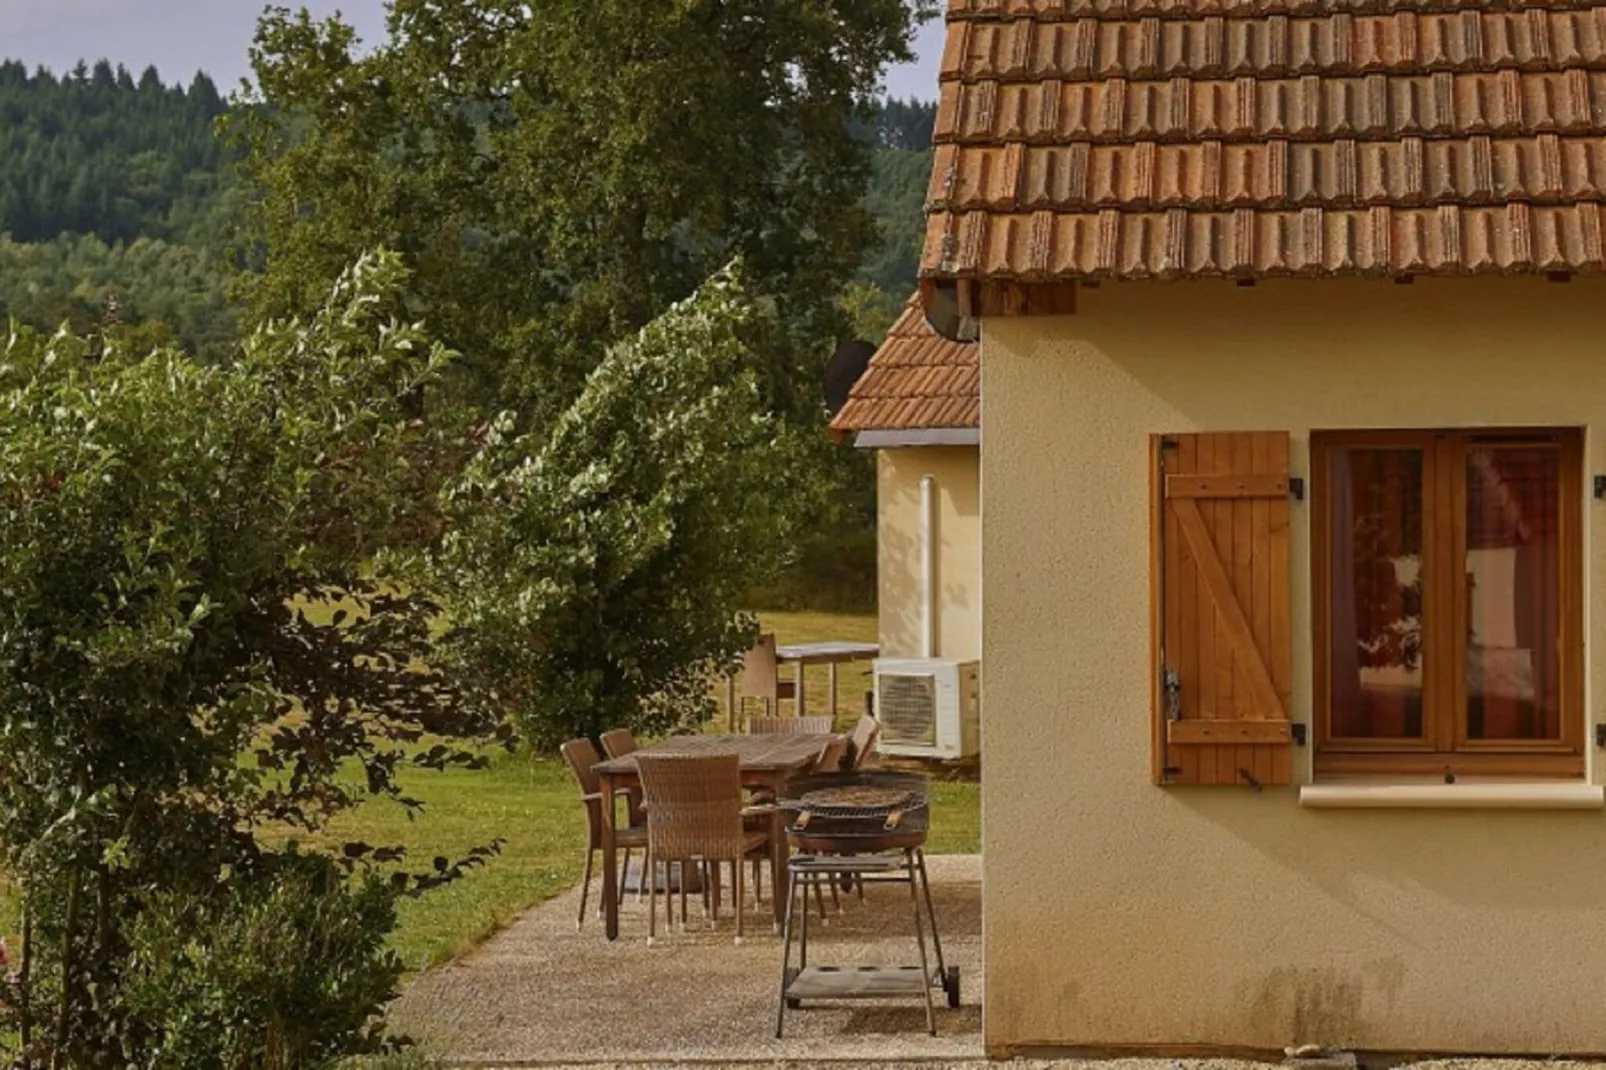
<point x="274" y="973"/>
<point x="168" y="709"/>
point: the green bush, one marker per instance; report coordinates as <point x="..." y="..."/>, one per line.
<point x="276" y="973"/>
<point x="168" y="708"/>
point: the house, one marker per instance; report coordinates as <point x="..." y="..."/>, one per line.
<point x="1295" y="393"/>
<point x="918" y="405"/>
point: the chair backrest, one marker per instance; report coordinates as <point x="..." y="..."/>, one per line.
<point x="618" y="743"/>
<point x="862" y="743"/>
<point x="694" y="805"/>
<point x="790" y="726"/>
<point x="830" y="759"/>
<point x="761" y="672"/>
<point x="582" y="758"/>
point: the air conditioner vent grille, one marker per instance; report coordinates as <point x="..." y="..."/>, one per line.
<point x="908" y="708"/>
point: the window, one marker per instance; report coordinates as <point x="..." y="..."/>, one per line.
<point x="1447" y="599"/>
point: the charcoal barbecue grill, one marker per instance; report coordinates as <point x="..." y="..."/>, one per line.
<point x="868" y="828"/>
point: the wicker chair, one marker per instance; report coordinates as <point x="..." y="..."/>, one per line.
<point x="694" y="816"/>
<point x="617" y="744"/>
<point x="582" y="759"/>
<point x="862" y="743"/>
<point x="790" y="726"/>
<point x="831" y="760"/>
<point x="761" y="676"/>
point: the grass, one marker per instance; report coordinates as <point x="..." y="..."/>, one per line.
<point x="529" y="802"/>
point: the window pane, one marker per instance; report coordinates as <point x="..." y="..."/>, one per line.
<point x="1376" y="537"/>
<point x="1513" y="578"/>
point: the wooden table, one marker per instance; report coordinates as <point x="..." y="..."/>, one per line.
<point x="832" y="653"/>
<point x="766" y="762"/>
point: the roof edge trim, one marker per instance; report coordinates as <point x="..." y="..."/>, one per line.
<point x="924" y="436"/>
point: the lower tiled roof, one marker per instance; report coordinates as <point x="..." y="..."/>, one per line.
<point x="917" y="380"/>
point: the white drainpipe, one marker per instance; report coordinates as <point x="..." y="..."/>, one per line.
<point x="928" y="566"/>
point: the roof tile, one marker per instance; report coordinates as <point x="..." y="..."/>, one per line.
<point x="1448" y="239"/>
<point x="917" y="380"/>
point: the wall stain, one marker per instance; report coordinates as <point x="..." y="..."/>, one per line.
<point x="1322" y="1004"/>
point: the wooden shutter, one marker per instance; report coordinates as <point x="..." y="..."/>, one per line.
<point x="1221" y="613"/>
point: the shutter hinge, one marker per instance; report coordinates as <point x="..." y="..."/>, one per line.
<point x="1171" y="684"/>
<point x="1600" y="736"/>
<point x="1600" y="487"/>
<point x="1296" y="487"/>
<point x="1298" y="730"/>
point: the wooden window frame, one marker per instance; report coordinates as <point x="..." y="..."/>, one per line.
<point x="1444" y="749"/>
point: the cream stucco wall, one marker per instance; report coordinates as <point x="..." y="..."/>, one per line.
<point x="958" y="538"/>
<point x="1118" y="913"/>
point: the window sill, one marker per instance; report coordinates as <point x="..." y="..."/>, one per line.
<point x="1465" y="795"/>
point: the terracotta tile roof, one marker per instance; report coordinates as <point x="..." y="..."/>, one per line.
<point x="1145" y="138"/>
<point x="917" y="380"/>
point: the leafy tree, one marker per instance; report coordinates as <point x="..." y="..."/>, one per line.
<point x="593" y="574"/>
<point x="905" y="125"/>
<point x="897" y="199"/>
<point x="170" y="709"/>
<point x="164" y="292"/>
<point x="558" y="174"/>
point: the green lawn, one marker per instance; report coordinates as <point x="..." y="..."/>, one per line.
<point x="530" y="803"/>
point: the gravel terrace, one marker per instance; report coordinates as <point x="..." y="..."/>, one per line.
<point x="540" y="994"/>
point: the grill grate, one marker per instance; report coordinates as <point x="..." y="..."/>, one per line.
<point x="849" y="806"/>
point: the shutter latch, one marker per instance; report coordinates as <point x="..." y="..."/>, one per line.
<point x="1171" y="684"/>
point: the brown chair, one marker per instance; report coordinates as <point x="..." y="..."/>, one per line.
<point x="582" y="759"/>
<point x="694" y="817"/>
<point x="761" y="676"/>
<point x="790" y="726"/>
<point x="618" y="743"/>
<point x="861" y="745"/>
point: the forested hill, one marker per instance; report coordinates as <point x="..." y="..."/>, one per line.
<point x="97" y="152"/>
<point x="112" y="184"/>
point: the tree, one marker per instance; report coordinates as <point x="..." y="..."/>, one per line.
<point x="172" y="705"/>
<point x="592" y="575"/>
<point x="558" y="174"/>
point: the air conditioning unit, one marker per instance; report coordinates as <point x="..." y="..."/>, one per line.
<point x="928" y="707"/>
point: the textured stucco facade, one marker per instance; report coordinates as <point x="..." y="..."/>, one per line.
<point x="958" y="543"/>
<point x="1121" y="914"/>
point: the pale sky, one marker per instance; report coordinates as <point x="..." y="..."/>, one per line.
<point x="183" y="36"/>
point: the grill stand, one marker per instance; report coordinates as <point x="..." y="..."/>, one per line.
<point x="863" y="982"/>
